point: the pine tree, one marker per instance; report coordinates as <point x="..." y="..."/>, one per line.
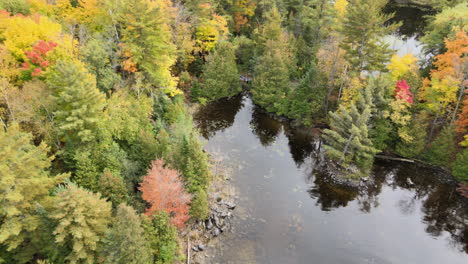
<point x="162" y="237"/>
<point x="25" y="183"/>
<point x="460" y="166"/>
<point x="125" y="243"/>
<point x="271" y="81"/>
<point x="308" y="98"/>
<point x="363" y="30"/>
<point x="347" y="141"/>
<point x="441" y="151"/>
<point x="78" y="103"/>
<point x="220" y="76"/>
<point x="319" y="17"/>
<point x="82" y="221"/>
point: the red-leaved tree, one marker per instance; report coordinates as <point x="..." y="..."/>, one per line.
<point x="163" y="189"/>
<point x="403" y="92"/>
<point x="36" y="59"/>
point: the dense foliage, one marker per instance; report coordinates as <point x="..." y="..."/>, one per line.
<point x="96" y="129"/>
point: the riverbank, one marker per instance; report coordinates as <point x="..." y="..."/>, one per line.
<point x="200" y="237"/>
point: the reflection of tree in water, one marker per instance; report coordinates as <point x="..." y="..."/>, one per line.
<point x="302" y="142"/>
<point x="264" y="127"/>
<point x="444" y="210"/>
<point x="218" y="115"/>
<point x="410" y="26"/>
<point x="330" y="196"/>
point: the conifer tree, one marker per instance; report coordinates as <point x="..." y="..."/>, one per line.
<point x="78" y="103"/>
<point x="82" y="221"/>
<point x="162" y="237"/>
<point x="347" y="141"/>
<point x="441" y="151"/>
<point x="25" y="183"/>
<point x="220" y="76"/>
<point x="460" y="166"/>
<point x="125" y="243"/>
<point x="271" y="81"/>
<point x="309" y="96"/>
<point x="363" y="30"/>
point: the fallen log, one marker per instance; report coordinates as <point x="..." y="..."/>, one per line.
<point x="394" y="158"/>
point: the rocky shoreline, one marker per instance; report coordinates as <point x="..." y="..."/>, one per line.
<point x="201" y="236"/>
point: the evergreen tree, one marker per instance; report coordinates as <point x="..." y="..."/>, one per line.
<point x="220" y="76"/>
<point x="25" y="183"/>
<point x="82" y="220"/>
<point x="363" y="30"/>
<point x="319" y="17"/>
<point x="125" y="243"/>
<point x="348" y="142"/>
<point x="441" y="151"/>
<point x="162" y="237"/>
<point x="271" y="80"/>
<point x="309" y="97"/>
<point x="418" y="132"/>
<point x="460" y="166"/>
<point x="78" y="103"/>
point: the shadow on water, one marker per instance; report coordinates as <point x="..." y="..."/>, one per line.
<point x="303" y="214"/>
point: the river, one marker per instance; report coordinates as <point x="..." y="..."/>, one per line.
<point x="288" y="212"/>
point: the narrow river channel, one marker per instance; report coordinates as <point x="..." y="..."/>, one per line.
<point x="288" y="213"/>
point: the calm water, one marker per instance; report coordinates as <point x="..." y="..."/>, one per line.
<point x="288" y="213"/>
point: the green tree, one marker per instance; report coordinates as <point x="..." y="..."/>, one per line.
<point x="271" y="80"/>
<point x="15" y="6"/>
<point x="444" y="25"/>
<point x="308" y="98"/>
<point x="96" y="55"/>
<point x="146" y="41"/>
<point x="82" y="221"/>
<point x="125" y="243"/>
<point x="460" y="166"/>
<point x="363" y="35"/>
<point x="25" y="183"/>
<point x="220" y="76"/>
<point x="162" y="237"/>
<point x="348" y="141"/>
<point x="78" y="103"/>
<point x="441" y="151"/>
<point x="199" y="208"/>
<point x="418" y="131"/>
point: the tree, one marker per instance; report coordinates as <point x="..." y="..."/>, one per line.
<point x="78" y="103"/>
<point x="82" y="221"/>
<point x="443" y="26"/>
<point x="146" y="41"/>
<point x="220" y="76"/>
<point x="126" y="242"/>
<point x="162" y="237"/>
<point x="163" y="189"/>
<point x="416" y="130"/>
<point x="271" y="80"/>
<point x="348" y="142"/>
<point x="96" y="55"/>
<point x="363" y="33"/>
<point x="460" y="166"/>
<point x="442" y="150"/>
<point x="309" y="96"/>
<point x="462" y="122"/>
<point x="25" y="183"/>
<point x="15" y="6"/>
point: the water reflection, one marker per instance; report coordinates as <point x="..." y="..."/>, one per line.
<point x="217" y="116"/>
<point x="413" y="19"/>
<point x="296" y="187"/>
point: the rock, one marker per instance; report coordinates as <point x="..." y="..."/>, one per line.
<point x="215" y="232"/>
<point x="219" y="199"/>
<point x="195" y="248"/>
<point x="201" y="247"/>
<point x="365" y="179"/>
<point x="208" y="224"/>
<point x="215" y="220"/>
<point x="230" y="205"/>
<point x="410" y="182"/>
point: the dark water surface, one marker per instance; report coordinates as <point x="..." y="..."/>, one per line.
<point x="288" y="213"/>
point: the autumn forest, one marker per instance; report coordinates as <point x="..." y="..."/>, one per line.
<point x="100" y="160"/>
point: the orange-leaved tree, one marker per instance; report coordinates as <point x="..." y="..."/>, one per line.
<point x="163" y="189"/>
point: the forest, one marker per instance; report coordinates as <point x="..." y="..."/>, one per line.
<point x="100" y="161"/>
